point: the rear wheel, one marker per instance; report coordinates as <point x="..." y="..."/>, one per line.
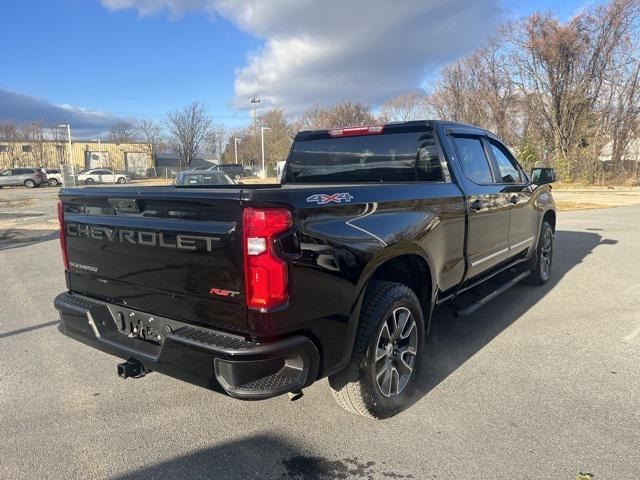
<point x="380" y="379"/>
<point x="53" y="182"/>
<point x="29" y="183"/>
<point x="540" y="264"/>
<point x="89" y="181"/>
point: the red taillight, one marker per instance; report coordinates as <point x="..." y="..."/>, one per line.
<point x="352" y="131"/>
<point x="266" y="275"/>
<point x="63" y="239"/>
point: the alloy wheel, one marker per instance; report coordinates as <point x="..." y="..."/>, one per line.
<point x="546" y="254"/>
<point x="396" y="350"/>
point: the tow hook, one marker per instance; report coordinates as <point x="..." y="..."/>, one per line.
<point x="295" y="395"/>
<point x="132" y="368"/>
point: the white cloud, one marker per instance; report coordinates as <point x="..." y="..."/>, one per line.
<point x="323" y="52"/>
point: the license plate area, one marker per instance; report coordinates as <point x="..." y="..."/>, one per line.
<point x="139" y="325"/>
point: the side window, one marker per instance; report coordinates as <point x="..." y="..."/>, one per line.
<point x="428" y="166"/>
<point x="473" y="159"/>
<point x="509" y="173"/>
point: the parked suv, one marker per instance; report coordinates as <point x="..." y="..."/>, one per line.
<point x="231" y="169"/>
<point x="28" y="176"/>
<point x="54" y="177"/>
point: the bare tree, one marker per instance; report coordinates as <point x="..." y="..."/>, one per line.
<point x="216" y="140"/>
<point x="558" y="92"/>
<point x="9" y="133"/>
<point x="33" y="133"/>
<point x="410" y="105"/>
<point x="152" y="134"/>
<point x="343" y="114"/>
<point x="188" y="130"/>
<point x="121" y="132"/>
<point x="563" y="69"/>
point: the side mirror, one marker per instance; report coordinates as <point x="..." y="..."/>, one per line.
<point x="543" y="175"/>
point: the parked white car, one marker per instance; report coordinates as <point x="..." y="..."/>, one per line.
<point x="54" y="176"/>
<point x="101" y="175"/>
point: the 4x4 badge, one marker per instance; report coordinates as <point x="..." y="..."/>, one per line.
<point x="323" y="198"/>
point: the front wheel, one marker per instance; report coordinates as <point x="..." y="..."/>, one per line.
<point x="89" y="181"/>
<point x="380" y="379"/>
<point x="540" y="264"/>
<point x="122" y="180"/>
<point x="53" y="182"/>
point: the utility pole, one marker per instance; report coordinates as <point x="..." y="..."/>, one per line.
<point x="99" y="152"/>
<point x="69" y="153"/>
<point x="262" y="129"/>
<point x="235" y="147"/>
<point x="254" y="102"/>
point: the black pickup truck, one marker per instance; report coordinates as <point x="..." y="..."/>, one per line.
<point x="260" y="290"/>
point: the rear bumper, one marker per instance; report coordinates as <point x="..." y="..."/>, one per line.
<point x="209" y="358"/>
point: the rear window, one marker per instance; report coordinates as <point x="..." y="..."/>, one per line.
<point x="203" y="178"/>
<point x="393" y="157"/>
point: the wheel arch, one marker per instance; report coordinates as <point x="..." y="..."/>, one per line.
<point x="550" y="216"/>
<point x="404" y="263"/>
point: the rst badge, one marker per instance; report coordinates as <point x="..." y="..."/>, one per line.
<point x="323" y="198"/>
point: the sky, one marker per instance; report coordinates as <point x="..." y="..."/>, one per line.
<point x="92" y="62"/>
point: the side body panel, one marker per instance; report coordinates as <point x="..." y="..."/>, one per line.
<point x="337" y="247"/>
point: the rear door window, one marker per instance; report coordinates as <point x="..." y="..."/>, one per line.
<point x="473" y="159"/>
<point x="507" y="169"/>
<point x="392" y="157"/>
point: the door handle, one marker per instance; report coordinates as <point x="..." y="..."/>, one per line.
<point x="476" y="204"/>
<point x="513" y="199"/>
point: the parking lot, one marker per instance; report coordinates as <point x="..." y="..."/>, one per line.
<point x="542" y="383"/>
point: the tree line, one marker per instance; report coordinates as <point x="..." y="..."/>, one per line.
<point x="563" y="94"/>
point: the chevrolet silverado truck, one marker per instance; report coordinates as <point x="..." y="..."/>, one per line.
<point x="261" y="290"/>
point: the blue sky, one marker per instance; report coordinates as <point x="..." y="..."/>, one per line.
<point x="142" y="58"/>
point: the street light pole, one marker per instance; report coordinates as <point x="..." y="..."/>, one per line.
<point x="254" y="102"/>
<point x="69" y="153"/>
<point x="262" y="129"/>
<point x="235" y="147"/>
<point x="99" y="153"/>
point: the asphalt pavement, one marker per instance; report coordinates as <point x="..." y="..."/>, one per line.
<point x="542" y="383"/>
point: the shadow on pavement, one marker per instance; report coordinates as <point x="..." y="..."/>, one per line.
<point x="262" y="456"/>
<point x="452" y="341"/>
<point x="16" y="238"/>
<point x="28" y="329"/>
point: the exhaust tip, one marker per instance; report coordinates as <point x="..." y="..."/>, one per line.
<point x="295" y="395"/>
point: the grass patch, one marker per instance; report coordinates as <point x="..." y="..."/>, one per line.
<point x="568" y="205"/>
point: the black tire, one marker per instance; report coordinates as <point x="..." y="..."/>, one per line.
<point x="53" y="182"/>
<point x="540" y="263"/>
<point x="356" y="388"/>
<point x="121" y="180"/>
<point x="29" y="183"/>
<point x="89" y="181"/>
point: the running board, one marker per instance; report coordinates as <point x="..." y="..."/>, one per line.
<point x="469" y="309"/>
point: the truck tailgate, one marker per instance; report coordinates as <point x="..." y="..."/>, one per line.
<point x="164" y="250"/>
